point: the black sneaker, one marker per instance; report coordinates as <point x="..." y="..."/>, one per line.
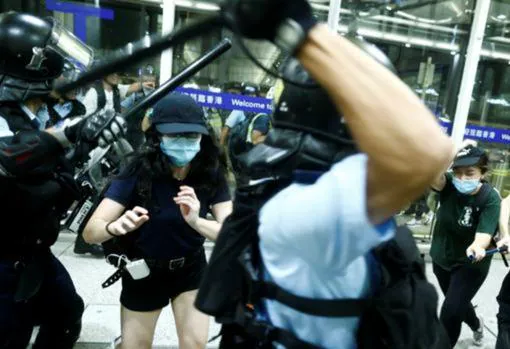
<point x="81" y="247"/>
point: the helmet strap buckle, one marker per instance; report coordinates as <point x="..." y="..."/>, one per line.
<point x="37" y="59"/>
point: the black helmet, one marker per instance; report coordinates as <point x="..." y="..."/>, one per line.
<point x="248" y="89"/>
<point x="311" y="109"/>
<point x="32" y="51"/>
<point x="308" y="132"/>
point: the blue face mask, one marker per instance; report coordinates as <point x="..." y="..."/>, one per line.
<point x="180" y="150"/>
<point x="466" y="186"/>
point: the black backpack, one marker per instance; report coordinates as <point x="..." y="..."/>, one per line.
<point x="237" y="143"/>
<point x="401" y="315"/>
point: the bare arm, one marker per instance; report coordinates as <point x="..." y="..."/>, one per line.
<point x="114" y="217"/>
<point x="504" y="216"/>
<point x="406" y="147"/>
<point x="107" y="211"/>
<point x="209" y="228"/>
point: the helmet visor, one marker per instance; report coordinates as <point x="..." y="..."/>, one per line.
<point x="70" y="47"/>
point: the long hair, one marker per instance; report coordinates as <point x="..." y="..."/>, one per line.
<point x="207" y="171"/>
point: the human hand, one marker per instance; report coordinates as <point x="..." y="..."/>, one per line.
<point x="504" y="241"/>
<point x="475" y="253"/>
<point x="189" y="205"/>
<point x="101" y="129"/>
<point x="129" y="221"/>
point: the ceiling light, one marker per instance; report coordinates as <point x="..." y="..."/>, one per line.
<point x="207" y="7"/>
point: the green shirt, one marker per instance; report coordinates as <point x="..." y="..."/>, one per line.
<point x="457" y="222"/>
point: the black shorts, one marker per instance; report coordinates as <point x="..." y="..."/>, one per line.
<point x="155" y="291"/>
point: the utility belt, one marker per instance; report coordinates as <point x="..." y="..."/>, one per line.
<point x="139" y="268"/>
<point x="175" y="263"/>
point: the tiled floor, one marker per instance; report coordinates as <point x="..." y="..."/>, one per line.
<point x="101" y="323"/>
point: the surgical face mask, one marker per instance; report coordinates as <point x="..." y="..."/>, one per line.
<point x="466" y="186"/>
<point x="147" y="90"/>
<point x="180" y="150"/>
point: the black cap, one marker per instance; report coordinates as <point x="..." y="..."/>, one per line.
<point x="469" y="156"/>
<point x="178" y="113"/>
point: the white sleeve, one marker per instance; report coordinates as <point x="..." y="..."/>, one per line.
<point x="5" y="131"/>
<point x="325" y="222"/>
<point x="123" y="90"/>
<point x="90" y="101"/>
<point x="234" y="118"/>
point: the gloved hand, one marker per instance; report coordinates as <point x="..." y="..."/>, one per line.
<point x="100" y="129"/>
<point x="284" y="22"/>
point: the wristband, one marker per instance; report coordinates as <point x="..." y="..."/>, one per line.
<point x="108" y="230"/>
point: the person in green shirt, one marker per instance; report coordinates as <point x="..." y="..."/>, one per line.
<point x="462" y="231"/>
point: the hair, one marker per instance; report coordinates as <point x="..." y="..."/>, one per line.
<point x="148" y="163"/>
<point x="483" y="163"/>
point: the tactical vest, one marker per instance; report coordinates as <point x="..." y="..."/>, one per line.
<point x="39" y="200"/>
<point x="101" y="97"/>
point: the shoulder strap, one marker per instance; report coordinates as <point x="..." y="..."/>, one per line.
<point x="101" y="97"/>
<point x="116" y="99"/>
<point x="316" y="307"/>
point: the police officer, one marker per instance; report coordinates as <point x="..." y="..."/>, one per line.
<point x="36" y="182"/>
<point x="317" y="233"/>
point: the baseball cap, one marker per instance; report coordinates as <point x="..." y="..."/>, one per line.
<point x="178" y="113"/>
<point x="469" y="156"/>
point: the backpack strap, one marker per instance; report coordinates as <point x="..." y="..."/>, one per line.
<point x="266" y="333"/>
<point x="482" y="197"/>
<point x="116" y="99"/>
<point x="101" y="96"/>
<point x="316" y="307"/>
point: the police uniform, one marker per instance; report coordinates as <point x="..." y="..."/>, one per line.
<point x="36" y="185"/>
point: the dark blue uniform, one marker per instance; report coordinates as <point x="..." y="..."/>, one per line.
<point x="35" y="288"/>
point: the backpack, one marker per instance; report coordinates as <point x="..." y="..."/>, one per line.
<point x="238" y="141"/>
<point x="402" y="314"/>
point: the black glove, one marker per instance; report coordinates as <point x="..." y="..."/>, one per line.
<point x="101" y="129"/>
<point x="284" y="22"/>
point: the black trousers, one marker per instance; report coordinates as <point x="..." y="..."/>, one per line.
<point x="459" y="286"/>
<point x="56" y="307"/>
<point x="503" y="341"/>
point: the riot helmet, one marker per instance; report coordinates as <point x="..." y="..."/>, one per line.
<point x="32" y="55"/>
<point x="309" y="132"/>
<point x="248" y="89"/>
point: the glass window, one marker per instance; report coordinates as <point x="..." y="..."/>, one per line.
<point x="489" y="112"/>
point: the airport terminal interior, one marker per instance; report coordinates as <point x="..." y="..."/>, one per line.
<point x="454" y="54"/>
